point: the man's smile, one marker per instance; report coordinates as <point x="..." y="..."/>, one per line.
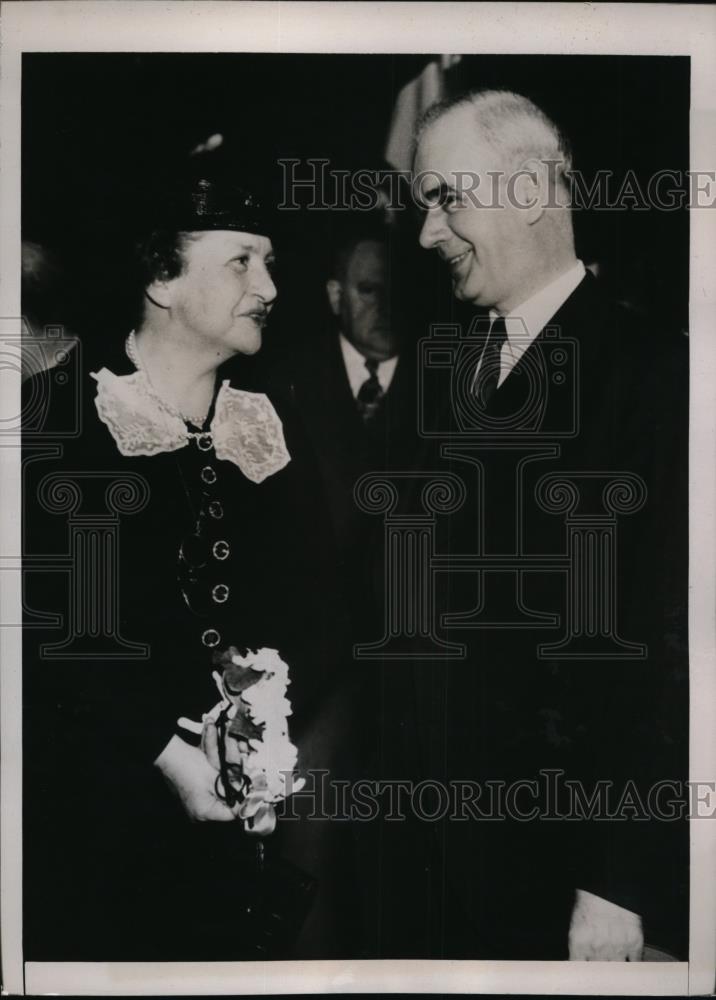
<point x="455" y="262"/>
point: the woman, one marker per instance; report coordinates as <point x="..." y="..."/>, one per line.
<point x="208" y="528"/>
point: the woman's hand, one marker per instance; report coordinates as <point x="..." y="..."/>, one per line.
<point x="190" y="774"/>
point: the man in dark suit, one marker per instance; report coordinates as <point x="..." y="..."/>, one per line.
<point x="355" y="391"/>
<point x="598" y="420"/>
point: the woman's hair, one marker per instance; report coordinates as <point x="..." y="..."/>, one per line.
<point x="158" y="256"/>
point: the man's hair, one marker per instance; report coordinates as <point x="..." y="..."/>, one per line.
<point x="511" y="124"/>
<point x="47" y="287"/>
<point x="362" y="228"/>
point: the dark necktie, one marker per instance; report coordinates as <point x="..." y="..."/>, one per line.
<point x="370" y="393"/>
<point x="488" y="374"/>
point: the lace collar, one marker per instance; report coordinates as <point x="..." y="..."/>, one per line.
<point x="245" y="430"/>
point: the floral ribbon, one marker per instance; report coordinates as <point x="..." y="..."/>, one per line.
<point x="255" y="760"/>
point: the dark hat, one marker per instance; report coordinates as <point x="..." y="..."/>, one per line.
<point x="206" y="203"/>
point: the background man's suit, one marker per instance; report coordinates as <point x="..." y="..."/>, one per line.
<point x="389" y="858"/>
<point x="346" y="447"/>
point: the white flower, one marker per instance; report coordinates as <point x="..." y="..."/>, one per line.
<point x="272" y="758"/>
<point x="268" y="761"/>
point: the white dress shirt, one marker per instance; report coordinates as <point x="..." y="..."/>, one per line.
<point x="525" y="322"/>
<point x="357" y="371"/>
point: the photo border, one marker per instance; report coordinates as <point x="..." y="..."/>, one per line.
<point x="509" y="28"/>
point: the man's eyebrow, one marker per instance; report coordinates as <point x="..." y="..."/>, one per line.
<point x="437" y="195"/>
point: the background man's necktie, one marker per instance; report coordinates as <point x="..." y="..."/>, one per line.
<point x="488" y="375"/>
<point x="370" y="393"/>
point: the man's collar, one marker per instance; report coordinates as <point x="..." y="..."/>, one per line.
<point x="525" y="322"/>
<point x="357" y="371"/>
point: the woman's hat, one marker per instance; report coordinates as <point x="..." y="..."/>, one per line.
<point x="206" y="203"/>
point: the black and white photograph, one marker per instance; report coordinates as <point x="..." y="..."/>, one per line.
<point x="358" y="438"/>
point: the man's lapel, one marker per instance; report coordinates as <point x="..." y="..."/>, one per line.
<point x="534" y="370"/>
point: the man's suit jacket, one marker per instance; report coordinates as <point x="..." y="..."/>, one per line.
<point x="374" y="719"/>
<point x="346" y="449"/>
<point x="504" y="888"/>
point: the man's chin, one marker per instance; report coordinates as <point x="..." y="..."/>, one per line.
<point x="460" y="292"/>
<point x="466" y="291"/>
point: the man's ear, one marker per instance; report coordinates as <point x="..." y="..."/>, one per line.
<point x="159" y="292"/>
<point x="530" y="189"/>
<point x="334" y="290"/>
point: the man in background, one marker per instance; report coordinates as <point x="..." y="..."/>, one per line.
<point x="355" y="389"/>
<point x="45" y="308"/>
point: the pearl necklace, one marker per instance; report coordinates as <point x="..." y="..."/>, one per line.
<point x="132" y="350"/>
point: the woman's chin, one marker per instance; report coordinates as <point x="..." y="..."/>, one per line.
<point x="249" y="342"/>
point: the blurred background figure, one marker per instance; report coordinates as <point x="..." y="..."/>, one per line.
<point x="355" y="387"/>
<point x="47" y="333"/>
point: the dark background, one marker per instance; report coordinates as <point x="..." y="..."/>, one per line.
<point x="100" y="130"/>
